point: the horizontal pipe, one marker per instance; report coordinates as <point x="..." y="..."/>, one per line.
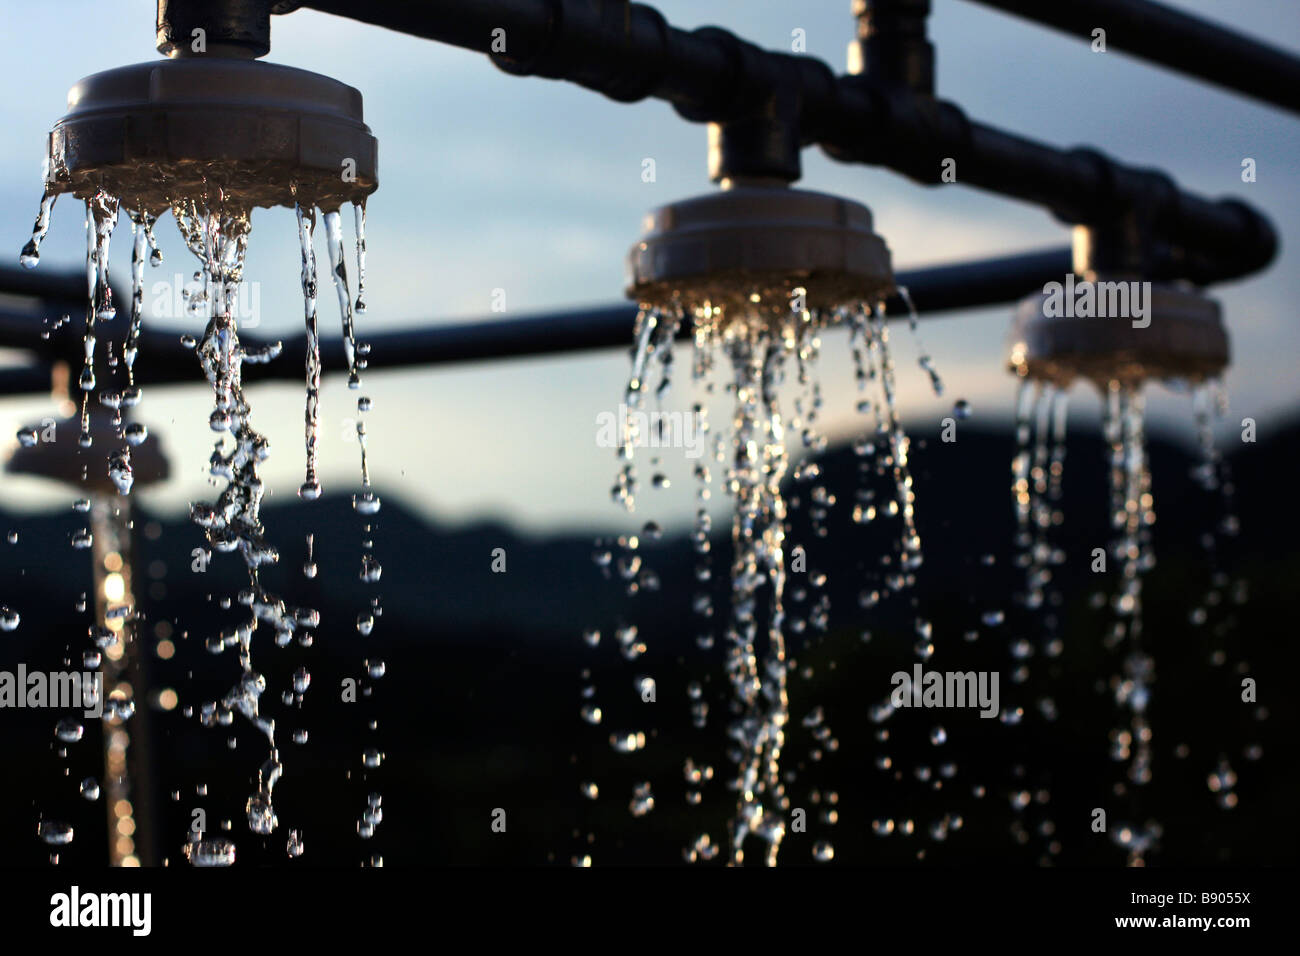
<point x="162" y="360"/>
<point x="26" y="380"/>
<point x="1173" y="39"/>
<point x="61" y="286"/>
<point x="628" y="52"/>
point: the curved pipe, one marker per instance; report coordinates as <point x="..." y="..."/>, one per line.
<point x="628" y="52"/>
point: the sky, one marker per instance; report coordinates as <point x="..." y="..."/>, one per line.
<point x="489" y="181"/>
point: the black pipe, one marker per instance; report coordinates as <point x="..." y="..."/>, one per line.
<point x="891" y="45"/>
<point x="63" y="287"/>
<point x="236" y="28"/>
<point x="970" y="285"/>
<point x="163" y="360"/>
<point x="628" y="52"/>
<point x="1208" y="51"/>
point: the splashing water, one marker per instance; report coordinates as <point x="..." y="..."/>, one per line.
<point x="873" y="364"/>
<point x="758" y="673"/>
<point x="219" y="238"/>
<point x="1037" y="473"/>
<point x="1132" y="514"/>
<point x="757" y="341"/>
<point x="217" y="234"/>
<point x="1216" y="612"/>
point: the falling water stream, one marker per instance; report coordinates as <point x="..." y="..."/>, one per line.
<point x="755" y="344"/>
<point x="1131" y="516"/>
<point x="1037" y="476"/>
<point x="216" y="232"/>
<point x="758" y="342"/>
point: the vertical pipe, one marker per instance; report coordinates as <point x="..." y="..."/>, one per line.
<point x="891" y="46"/>
<point x="128" y="779"/>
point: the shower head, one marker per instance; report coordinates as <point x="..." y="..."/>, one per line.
<point x="1180" y="338"/>
<point x="238" y="131"/>
<point x="759" y="239"/>
<point x="62" y="458"/>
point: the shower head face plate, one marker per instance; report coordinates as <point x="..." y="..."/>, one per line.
<point x="728" y="247"/>
<point x="238" y="132"/>
<point x="1181" y="339"/>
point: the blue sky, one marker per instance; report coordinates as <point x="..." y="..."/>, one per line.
<point x="490" y="181"/>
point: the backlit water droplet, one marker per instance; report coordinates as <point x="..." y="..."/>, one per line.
<point x="55" y="832"/>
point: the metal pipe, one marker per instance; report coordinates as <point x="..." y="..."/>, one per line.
<point x="1158" y="33"/>
<point x="232" y="28"/>
<point x="163" y="360"/>
<point x="62" y="287"/>
<point x="891" y="44"/>
<point x="628" y="52"/>
<point x="131" y="790"/>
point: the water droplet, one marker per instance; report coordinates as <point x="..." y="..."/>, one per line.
<point x="9" y="619"/>
<point x="261" y="816"/>
<point x="217" y="851"/>
<point x="627" y="743"/>
<point x="643" y="800"/>
<point x="90" y="788"/>
<point x="54" y="832"/>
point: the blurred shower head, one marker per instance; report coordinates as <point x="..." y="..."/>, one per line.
<point x="1180" y="338"/>
<point x="62" y="458"/>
